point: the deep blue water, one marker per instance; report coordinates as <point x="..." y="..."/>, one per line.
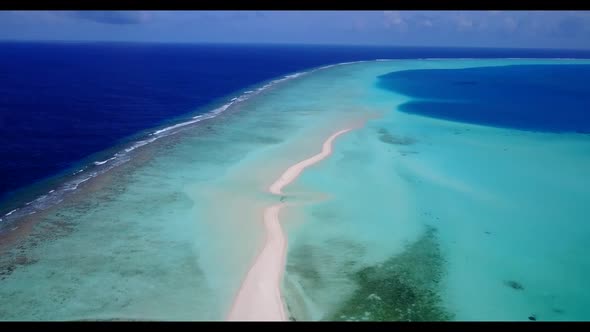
<point x="554" y="98"/>
<point x="61" y="102"/>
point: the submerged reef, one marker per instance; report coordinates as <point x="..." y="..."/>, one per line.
<point x="386" y="137"/>
<point x="403" y="288"/>
<point x="311" y="268"/>
<point x="21" y="254"/>
<point x="514" y="284"/>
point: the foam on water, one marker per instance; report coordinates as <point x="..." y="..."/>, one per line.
<point x="102" y="162"/>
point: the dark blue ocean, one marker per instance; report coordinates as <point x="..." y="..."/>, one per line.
<point x="554" y="98"/>
<point x="62" y="102"/>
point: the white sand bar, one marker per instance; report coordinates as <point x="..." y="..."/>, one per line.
<point x="259" y="297"/>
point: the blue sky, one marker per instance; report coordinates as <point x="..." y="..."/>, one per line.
<point x="537" y="29"/>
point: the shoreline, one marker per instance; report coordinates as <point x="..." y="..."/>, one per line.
<point x="259" y="297"/>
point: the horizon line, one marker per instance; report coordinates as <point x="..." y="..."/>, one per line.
<point x="58" y="41"/>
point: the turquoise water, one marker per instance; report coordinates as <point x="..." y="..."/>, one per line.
<point x="411" y="218"/>
<point x="500" y="215"/>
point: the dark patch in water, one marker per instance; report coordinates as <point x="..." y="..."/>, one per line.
<point x="305" y="260"/>
<point x="291" y="316"/>
<point x="514" y="284"/>
<point x="325" y="214"/>
<point x="522" y="97"/>
<point x="386" y="137"/>
<point x="305" y="264"/>
<point x="12" y="261"/>
<point x="403" y="288"/>
<point x="533" y="317"/>
<point x="307" y="269"/>
<point x="405" y="153"/>
<point x="52" y="228"/>
<point x="267" y="140"/>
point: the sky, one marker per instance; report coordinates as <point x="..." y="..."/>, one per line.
<point x="523" y="29"/>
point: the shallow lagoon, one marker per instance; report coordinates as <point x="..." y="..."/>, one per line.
<point x="505" y="208"/>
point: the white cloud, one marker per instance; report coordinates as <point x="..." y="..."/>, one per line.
<point x="426" y="23"/>
<point x="510" y="24"/>
<point x="464" y="23"/>
<point x="394" y="19"/>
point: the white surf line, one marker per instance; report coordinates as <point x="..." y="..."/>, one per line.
<point x="259" y="297"/>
